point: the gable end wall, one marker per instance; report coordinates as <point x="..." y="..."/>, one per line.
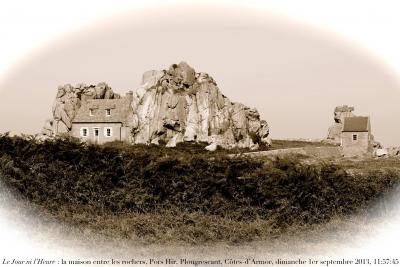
<point x="355" y="148"/>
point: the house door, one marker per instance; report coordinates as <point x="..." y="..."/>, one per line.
<point x="96" y="135"/>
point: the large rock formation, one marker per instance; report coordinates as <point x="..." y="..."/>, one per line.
<point x="173" y="106"/>
<point x="335" y="131"/>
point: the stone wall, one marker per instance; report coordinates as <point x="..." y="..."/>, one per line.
<point x="357" y="147"/>
<point x="116" y="132"/>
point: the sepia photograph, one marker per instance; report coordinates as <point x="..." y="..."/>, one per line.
<point x="199" y="133"/>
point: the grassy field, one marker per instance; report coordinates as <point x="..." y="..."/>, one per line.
<point x="185" y="194"/>
<point x="281" y="144"/>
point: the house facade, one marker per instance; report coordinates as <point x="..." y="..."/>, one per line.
<point x="356" y="137"/>
<point x="103" y="120"/>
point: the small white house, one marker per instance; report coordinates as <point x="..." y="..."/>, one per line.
<point x="356" y="138"/>
<point x="103" y="120"/>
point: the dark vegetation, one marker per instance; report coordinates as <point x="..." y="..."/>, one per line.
<point x="185" y="194"/>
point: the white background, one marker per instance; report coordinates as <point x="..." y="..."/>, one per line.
<point x="28" y="25"/>
<point x="25" y="25"/>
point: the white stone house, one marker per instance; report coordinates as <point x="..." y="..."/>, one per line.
<point x="103" y="120"/>
<point x="356" y="137"/>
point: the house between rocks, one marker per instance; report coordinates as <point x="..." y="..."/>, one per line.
<point x="356" y="137"/>
<point x="103" y="120"/>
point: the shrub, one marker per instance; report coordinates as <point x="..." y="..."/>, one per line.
<point x="65" y="176"/>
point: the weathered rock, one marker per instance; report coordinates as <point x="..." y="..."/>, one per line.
<point x="192" y="106"/>
<point x="263" y="133"/>
<point x="68" y="101"/>
<point x="334" y="132"/>
<point x="177" y="138"/>
<point x="375" y="144"/>
<point x="172" y="106"/>
<point x="61" y="127"/>
<point x="150" y="78"/>
<point x="211" y="147"/>
<point x="342" y="112"/>
<point x="184" y="72"/>
<point x="381" y="152"/>
<point x="393" y="151"/>
<point x="48" y="128"/>
<point x="156" y="141"/>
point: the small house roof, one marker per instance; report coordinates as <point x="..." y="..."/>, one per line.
<point x="356" y="124"/>
<point x="119" y="111"/>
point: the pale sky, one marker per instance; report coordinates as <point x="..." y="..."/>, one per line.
<point x="292" y="73"/>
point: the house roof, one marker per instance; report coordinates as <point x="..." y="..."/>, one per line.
<point x="356" y="124"/>
<point x="119" y="110"/>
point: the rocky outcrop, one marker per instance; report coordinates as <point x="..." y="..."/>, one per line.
<point x="388" y="152"/>
<point x="172" y="106"/>
<point x="334" y="132"/>
<point x="68" y="101"/>
<point x="178" y="105"/>
<point x="394" y="151"/>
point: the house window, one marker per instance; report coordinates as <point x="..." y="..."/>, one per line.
<point x="355" y="137"/>
<point x="84" y="131"/>
<point x="107" y="131"/>
<point x="91" y="112"/>
<point x="108" y="112"/>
